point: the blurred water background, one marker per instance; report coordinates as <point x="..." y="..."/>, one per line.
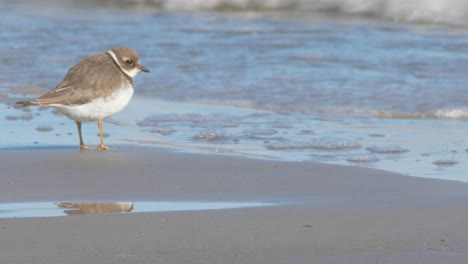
<point x="380" y="83"/>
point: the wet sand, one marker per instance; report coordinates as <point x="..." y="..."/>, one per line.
<point x="325" y="213"/>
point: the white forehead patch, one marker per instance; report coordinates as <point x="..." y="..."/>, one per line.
<point x="131" y="73"/>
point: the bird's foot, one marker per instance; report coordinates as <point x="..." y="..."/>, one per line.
<point x="100" y="147"/>
<point x="84" y="147"/>
<point x="104" y="147"/>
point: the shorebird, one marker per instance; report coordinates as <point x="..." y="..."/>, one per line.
<point x="95" y="88"/>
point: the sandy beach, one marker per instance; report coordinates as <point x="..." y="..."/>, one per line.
<point x="268" y="132"/>
<point x="321" y="213"/>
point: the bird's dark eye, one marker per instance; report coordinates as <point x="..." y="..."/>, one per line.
<point x="129" y="61"/>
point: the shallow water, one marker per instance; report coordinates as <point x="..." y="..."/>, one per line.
<point x="291" y="82"/>
<point x="48" y="209"/>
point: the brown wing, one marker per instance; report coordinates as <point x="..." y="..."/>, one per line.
<point x="59" y="95"/>
<point x="82" y="81"/>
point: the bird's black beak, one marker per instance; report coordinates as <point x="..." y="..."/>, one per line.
<point x="143" y="69"/>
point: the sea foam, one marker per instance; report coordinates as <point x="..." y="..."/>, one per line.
<point x="438" y="11"/>
<point x="448" y="113"/>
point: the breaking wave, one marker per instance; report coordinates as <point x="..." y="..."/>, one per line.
<point x="456" y="114"/>
<point x="433" y="11"/>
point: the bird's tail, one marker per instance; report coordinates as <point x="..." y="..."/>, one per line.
<point x="24" y="103"/>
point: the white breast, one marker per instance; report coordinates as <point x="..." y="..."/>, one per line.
<point x="99" y="108"/>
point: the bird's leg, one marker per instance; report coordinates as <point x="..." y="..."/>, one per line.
<point x="101" y="137"/>
<point x="82" y="145"/>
